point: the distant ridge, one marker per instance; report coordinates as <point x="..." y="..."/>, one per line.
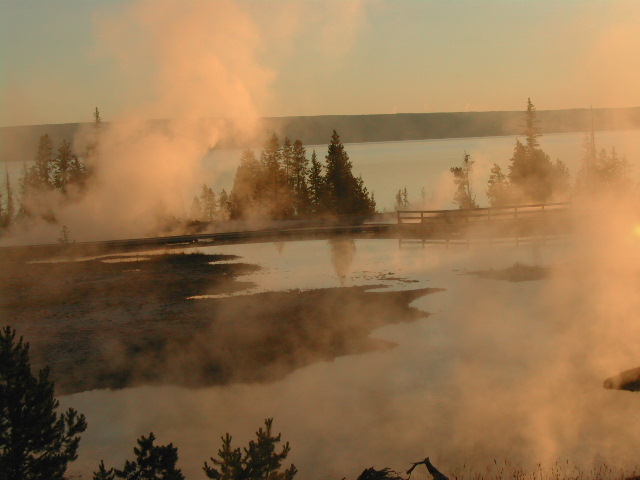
<point x="19" y="143"/>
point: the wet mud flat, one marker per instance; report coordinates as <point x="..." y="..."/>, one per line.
<point x="118" y="322"/>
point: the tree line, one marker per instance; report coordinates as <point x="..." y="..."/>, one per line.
<point x="534" y="178"/>
<point x="59" y="170"/>
<point x="282" y="183"/>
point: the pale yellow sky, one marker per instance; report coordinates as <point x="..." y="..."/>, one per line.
<point x="61" y="58"/>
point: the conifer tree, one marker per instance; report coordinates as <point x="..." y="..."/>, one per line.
<point x="532" y="174"/>
<point x="287" y="160"/>
<point x="103" y="474"/>
<point x="38" y="177"/>
<point x="62" y="165"/>
<point x="276" y="191"/>
<point x="36" y="443"/>
<point x="247" y="183"/>
<point x="152" y="462"/>
<point x="345" y="193"/>
<point x="258" y="461"/>
<point x="498" y="189"/>
<point x="195" y="213"/>
<point x="299" y="172"/>
<point x="9" y="212"/>
<point x="316" y="185"/>
<point x="208" y="203"/>
<point x="464" y="196"/>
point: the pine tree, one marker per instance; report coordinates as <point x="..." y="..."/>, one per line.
<point x="195" y="213"/>
<point x="36" y="443"/>
<point x="152" y="462"/>
<point x="276" y="190"/>
<point x="532" y="129"/>
<point x="345" y="193"/>
<point x="531" y="172"/>
<point x="258" y="461"/>
<point x="299" y="173"/>
<point x="316" y="185"/>
<point x="62" y="166"/>
<point x="38" y="177"/>
<point x="208" y="203"/>
<point x="246" y="184"/>
<point x="9" y="213"/>
<point x="287" y="161"/>
<point x="498" y="189"/>
<point x="464" y="196"/>
<point x="91" y="153"/>
<point x="103" y="474"/>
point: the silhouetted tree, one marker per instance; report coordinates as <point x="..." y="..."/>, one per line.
<point x="38" y="177"/>
<point x="258" y="461"/>
<point x="345" y="193"/>
<point x="299" y="172"/>
<point x="36" y="443"/>
<point x="316" y="185"/>
<point x="195" y="212"/>
<point x="208" y="203"/>
<point x="287" y="160"/>
<point x="6" y="219"/>
<point x="402" y="199"/>
<point x="246" y="184"/>
<point x="498" y="190"/>
<point x="602" y="172"/>
<point x="464" y="196"/>
<point x="62" y="164"/>
<point x="274" y="189"/>
<point x="103" y="474"/>
<point x="532" y="175"/>
<point x="152" y="462"/>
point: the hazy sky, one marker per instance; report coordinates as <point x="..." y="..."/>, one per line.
<point x="61" y="58"/>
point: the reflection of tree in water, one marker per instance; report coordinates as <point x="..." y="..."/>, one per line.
<point x="279" y="246"/>
<point x="343" y="251"/>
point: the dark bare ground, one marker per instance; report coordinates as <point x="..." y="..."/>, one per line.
<point x="115" y="325"/>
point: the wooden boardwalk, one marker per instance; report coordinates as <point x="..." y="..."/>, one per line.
<point x="509" y="223"/>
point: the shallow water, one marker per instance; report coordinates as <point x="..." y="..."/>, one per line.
<point x="499" y="369"/>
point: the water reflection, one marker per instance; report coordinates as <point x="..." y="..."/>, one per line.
<point x="343" y="251"/>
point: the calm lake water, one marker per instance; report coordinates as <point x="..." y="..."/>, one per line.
<point x="389" y="166"/>
<point x="499" y="370"/>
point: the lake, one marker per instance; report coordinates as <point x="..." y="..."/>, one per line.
<point x="499" y="370"/>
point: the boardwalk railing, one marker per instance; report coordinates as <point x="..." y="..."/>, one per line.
<point x="516" y="221"/>
<point x="479" y="214"/>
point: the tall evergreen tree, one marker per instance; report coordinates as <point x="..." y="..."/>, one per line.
<point x="287" y="160"/>
<point x="208" y="203"/>
<point x="532" y="174"/>
<point x="498" y="189"/>
<point x="316" y="185"/>
<point x="258" y="461"/>
<point x="103" y="474"/>
<point x="247" y="184"/>
<point x="299" y="172"/>
<point x="152" y="462"/>
<point x="38" y="177"/>
<point x="464" y="196"/>
<point x="345" y="193"/>
<point x="7" y="212"/>
<point x="62" y="165"/>
<point x="36" y="443"/>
